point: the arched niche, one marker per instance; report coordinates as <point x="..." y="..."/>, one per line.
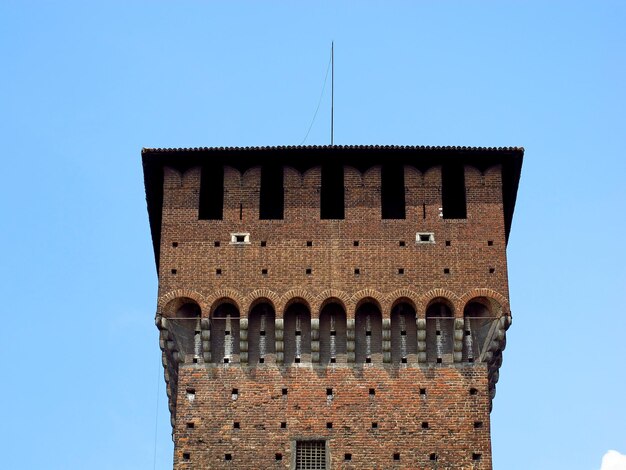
<point x="440" y="331"/>
<point x="225" y="334"/>
<point x="368" y="333"/>
<point x="403" y="333"/>
<point x="332" y="334"/>
<point x="184" y="326"/>
<point x="297" y="334"/>
<point x="479" y="325"/>
<point x="261" y="333"/>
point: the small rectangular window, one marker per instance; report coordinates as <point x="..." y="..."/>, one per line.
<point x="311" y="455"/>
<point x="239" y="238"/>
<point x="425" y="237"/>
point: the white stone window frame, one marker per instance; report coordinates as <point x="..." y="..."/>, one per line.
<point x="235" y="236"/>
<point x="420" y="235"/>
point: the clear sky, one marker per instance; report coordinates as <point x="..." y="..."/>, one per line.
<point x="85" y="85"/>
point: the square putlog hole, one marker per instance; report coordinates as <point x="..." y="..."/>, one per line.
<point x="279" y="456"/>
<point x="186" y="456"/>
<point x="396" y="456"/>
<point x="228" y="456"/>
<point x="309" y="243"/>
<point x="216" y="244"/>
<point x="263" y="243"/>
<point x="478" y="424"/>
<point x="283" y="425"/>
<point x="347" y="456"/>
<point x="236" y="425"/>
<point x="446" y="270"/>
<point x="433" y="456"/>
<point x="374" y="425"/>
<point x="476" y="456"/>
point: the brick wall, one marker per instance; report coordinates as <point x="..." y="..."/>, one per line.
<point x="310" y="263"/>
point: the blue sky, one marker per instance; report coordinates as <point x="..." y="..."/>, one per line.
<point x="85" y="85"/>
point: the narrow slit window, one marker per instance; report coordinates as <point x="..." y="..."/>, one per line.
<point x="392" y="201"/>
<point x="332" y="200"/>
<point x="272" y="197"/>
<point x="211" y="204"/>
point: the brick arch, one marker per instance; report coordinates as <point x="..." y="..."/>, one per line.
<point x="471" y="170"/>
<point x="485" y="292"/>
<point x="328" y="295"/>
<point x="402" y="295"/>
<point x="191" y="176"/>
<point x="258" y="296"/>
<point x="292" y="177"/>
<point x="371" y="176"/>
<point x="426" y="298"/>
<point x="251" y="178"/>
<point x="350" y="173"/>
<point x="292" y="296"/>
<point x="368" y="295"/>
<point x="172" y="178"/>
<point x="165" y="299"/>
<point x="330" y="300"/>
<point x="219" y="296"/>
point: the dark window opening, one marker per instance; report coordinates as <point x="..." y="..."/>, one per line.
<point x="368" y="360"/>
<point x="297" y="360"/>
<point x="186" y="456"/>
<point x="478" y="424"/>
<point x="402" y="243"/>
<point x="422" y="391"/>
<point x="218" y="271"/>
<point x="236" y="425"/>
<point x="392" y="192"/>
<point x="372" y="391"/>
<point x="240" y="238"/>
<point x="446" y="270"/>
<point x="284" y="391"/>
<point x="329" y="425"/>
<point x="473" y="391"/>
<point x="448" y="243"/>
<point x="228" y="456"/>
<point x="211" y="206"/>
<point x="490" y="243"/>
<point x="453" y="192"/>
<point x="216" y="244"/>
<point x="332" y="204"/>
<point x="309" y="243"/>
<point x="175" y="244"/>
<point x="309" y="271"/>
<point x="279" y="456"/>
<point x="433" y="456"/>
<point x="192" y="425"/>
<point x="311" y="455"/>
<point x="476" y="456"/>
<point x="329" y="392"/>
<point x="403" y="361"/>
<point x="283" y="424"/>
<point x="374" y="425"/>
<point x="347" y="456"/>
<point x="263" y="271"/>
<point x="263" y="243"/>
<point x="400" y="270"/>
<point x="272" y="198"/>
<point x="261" y="360"/>
<point x="173" y="271"/>
<point x="357" y="271"/>
<point x="424" y="425"/>
<point x="355" y="243"/>
<point x="492" y="270"/>
<point x="396" y="456"/>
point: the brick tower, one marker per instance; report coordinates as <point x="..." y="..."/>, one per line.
<point x="331" y="307"/>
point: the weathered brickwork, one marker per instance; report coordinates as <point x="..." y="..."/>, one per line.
<point x="357" y="333"/>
